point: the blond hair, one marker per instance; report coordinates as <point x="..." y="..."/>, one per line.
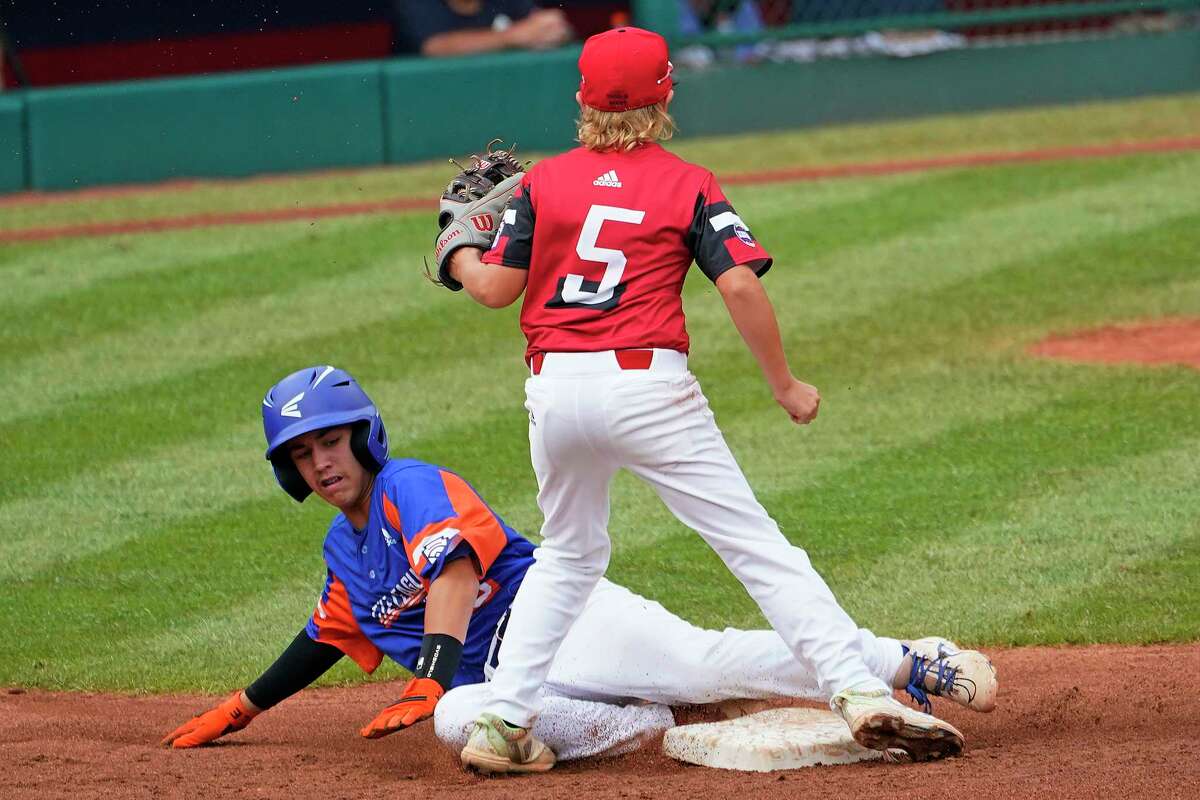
<point x="623" y="130"/>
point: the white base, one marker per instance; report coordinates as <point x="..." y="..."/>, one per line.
<point x="781" y="738"/>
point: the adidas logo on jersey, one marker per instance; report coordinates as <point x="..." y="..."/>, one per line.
<point x="608" y="179"/>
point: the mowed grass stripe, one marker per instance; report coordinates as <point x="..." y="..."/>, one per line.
<point x="198" y="402"/>
<point x="183" y="391"/>
<point x="956" y="352"/>
<point x="65" y="449"/>
<point x="227" y="330"/>
<point x="871" y="524"/>
<point x="954" y="330"/>
<point x="180" y="580"/>
<point x="252" y="324"/>
<point x="221" y="464"/>
<point x="60" y="448"/>
<point x="855" y="281"/>
<point x="882" y="402"/>
<point x="1088" y="527"/>
<point x="908" y="209"/>
<point x="129" y="303"/>
<point x="1148" y="600"/>
<point x="36" y="274"/>
<point x="884" y="368"/>
<point x="81" y="271"/>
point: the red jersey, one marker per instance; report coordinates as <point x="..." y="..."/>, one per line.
<point x="608" y="239"/>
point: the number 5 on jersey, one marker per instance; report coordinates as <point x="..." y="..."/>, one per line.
<point x="576" y="291"/>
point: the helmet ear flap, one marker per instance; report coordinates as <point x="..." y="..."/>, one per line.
<point x="289" y="477"/>
<point x="360" y="445"/>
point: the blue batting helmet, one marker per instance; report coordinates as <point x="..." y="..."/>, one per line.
<point x="314" y="399"/>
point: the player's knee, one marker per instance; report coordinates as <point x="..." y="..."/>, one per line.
<point x="589" y="559"/>
<point x="455" y="713"/>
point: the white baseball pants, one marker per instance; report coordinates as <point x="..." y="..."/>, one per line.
<point x="589" y="418"/>
<point x="627" y="659"/>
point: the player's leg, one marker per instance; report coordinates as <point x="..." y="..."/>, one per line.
<point x="573" y="494"/>
<point x="572" y="728"/>
<point x="705" y="489"/>
<point x="685" y="459"/>
<point x="625" y="646"/>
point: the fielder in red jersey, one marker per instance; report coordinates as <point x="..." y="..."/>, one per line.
<point x="599" y="240"/>
<point x="615" y="239"/>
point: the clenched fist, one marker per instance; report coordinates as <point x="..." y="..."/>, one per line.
<point x="800" y="400"/>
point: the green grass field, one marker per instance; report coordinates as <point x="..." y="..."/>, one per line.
<point x="952" y="484"/>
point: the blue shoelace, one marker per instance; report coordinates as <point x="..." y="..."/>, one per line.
<point x="920" y="669"/>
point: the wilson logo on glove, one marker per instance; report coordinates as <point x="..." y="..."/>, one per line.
<point x="480" y="193"/>
<point x="445" y="240"/>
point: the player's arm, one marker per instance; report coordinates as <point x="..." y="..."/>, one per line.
<point x="734" y="260"/>
<point x="497" y="277"/>
<point x="448" y="608"/>
<point x="298" y="666"/>
<point x="754" y="317"/>
<point x="492" y="285"/>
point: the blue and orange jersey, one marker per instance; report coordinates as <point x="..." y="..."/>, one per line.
<point x="421" y="518"/>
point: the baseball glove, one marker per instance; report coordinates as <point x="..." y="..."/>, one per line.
<point x="472" y="207"/>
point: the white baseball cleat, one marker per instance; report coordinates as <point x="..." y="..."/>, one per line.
<point x="879" y="721"/>
<point x="939" y="668"/>
<point x="495" y="746"/>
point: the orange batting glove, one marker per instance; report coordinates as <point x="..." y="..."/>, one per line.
<point x="419" y="697"/>
<point x="230" y="716"/>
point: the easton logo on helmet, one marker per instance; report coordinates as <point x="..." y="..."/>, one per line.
<point x="292" y="407"/>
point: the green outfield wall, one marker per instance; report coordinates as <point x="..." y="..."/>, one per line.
<point x="859" y="89"/>
<point x="414" y="109"/>
<point x="437" y="108"/>
<point x="227" y="125"/>
<point x="12" y="143"/>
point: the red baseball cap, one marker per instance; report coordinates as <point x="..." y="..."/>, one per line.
<point x="623" y="69"/>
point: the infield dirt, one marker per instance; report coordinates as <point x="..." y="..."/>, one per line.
<point x="1156" y="343"/>
<point x="1076" y="722"/>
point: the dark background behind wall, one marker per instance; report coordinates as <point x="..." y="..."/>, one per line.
<point x="64" y="42"/>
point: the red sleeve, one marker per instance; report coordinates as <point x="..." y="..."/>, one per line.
<point x="720" y="240"/>
<point x="513" y="245"/>
<point x="333" y="623"/>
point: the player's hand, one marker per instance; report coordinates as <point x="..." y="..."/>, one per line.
<point x="542" y="29"/>
<point x="800" y="400"/>
<point x="232" y="715"/>
<point x="416" y="703"/>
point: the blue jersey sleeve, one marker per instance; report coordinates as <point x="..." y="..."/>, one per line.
<point x="440" y="517"/>
<point x="333" y="623"/>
